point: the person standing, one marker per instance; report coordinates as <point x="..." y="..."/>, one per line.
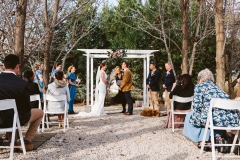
<point x="120" y="96"/>
<point x="153" y="87"/>
<point x="168" y="80"/>
<point x="101" y="90"/>
<point x="73" y="83"/>
<point x="126" y="87"/>
<point x="58" y="67"/>
<point x="38" y="69"/>
<point x="13" y="87"/>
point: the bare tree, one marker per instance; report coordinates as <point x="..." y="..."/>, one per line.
<point x="203" y="20"/>
<point x="232" y="49"/>
<point x="20" y="30"/>
<point x="144" y="24"/>
<point x="220" y="36"/>
<point x="184" y="4"/>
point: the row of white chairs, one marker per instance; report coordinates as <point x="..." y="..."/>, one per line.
<point x="11" y="104"/>
<point x="215" y="103"/>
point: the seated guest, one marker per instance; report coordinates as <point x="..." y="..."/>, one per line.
<point x="58" y="87"/>
<point x="32" y="87"/>
<point x="195" y="121"/>
<point x="13" y="87"/>
<point x="184" y="89"/>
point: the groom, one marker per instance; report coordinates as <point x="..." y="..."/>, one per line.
<point x="126" y="87"/>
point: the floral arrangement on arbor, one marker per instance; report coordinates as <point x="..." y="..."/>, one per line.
<point x="116" y="53"/>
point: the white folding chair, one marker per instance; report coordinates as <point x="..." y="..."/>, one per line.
<point x="222" y="104"/>
<point x="181" y="100"/>
<point x="65" y="112"/>
<point x="36" y="97"/>
<point x="10" y="104"/>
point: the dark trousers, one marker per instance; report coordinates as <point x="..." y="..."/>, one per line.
<point x="129" y="101"/>
<point x="123" y="100"/>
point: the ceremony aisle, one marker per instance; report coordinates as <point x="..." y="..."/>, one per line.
<point x="115" y="137"/>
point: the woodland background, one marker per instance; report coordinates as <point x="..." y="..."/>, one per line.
<point x="195" y="33"/>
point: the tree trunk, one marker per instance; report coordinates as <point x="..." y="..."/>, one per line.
<point x="231" y="86"/>
<point x="184" y="10"/>
<point x="20" y="30"/>
<point x="219" y="25"/>
<point x="161" y="13"/>
<point x="48" y="40"/>
<point x="195" y="38"/>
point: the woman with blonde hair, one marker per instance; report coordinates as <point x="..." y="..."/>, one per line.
<point x="73" y="83"/>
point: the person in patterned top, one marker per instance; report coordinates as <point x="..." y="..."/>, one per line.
<point x="195" y="120"/>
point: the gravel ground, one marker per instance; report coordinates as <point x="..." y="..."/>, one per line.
<point x="115" y="137"/>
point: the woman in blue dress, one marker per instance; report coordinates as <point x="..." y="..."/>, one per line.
<point x="38" y="69"/>
<point x="73" y="83"/>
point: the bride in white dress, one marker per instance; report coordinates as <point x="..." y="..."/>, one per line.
<point x="100" y="94"/>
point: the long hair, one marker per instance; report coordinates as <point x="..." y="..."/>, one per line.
<point x="28" y="75"/>
<point x="186" y="81"/>
<point x="69" y="68"/>
<point x="36" y="66"/>
<point x="117" y="67"/>
<point x="102" y="65"/>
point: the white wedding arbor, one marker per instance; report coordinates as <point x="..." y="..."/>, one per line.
<point x="103" y="53"/>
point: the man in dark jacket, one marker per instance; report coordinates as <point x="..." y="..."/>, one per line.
<point x="168" y="81"/>
<point x="13" y="87"/>
<point x="153" y="87"/>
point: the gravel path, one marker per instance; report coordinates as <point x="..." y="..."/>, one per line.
<point x="115" y="137"/>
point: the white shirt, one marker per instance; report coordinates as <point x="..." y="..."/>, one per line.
<point x="9" y="72"/>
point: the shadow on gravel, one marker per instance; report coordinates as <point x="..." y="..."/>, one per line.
<point x="178" y="156"/>
<point x="141" y="157"/>
<point x="106" y="121"/>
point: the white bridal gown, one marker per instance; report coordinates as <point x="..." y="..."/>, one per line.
<point x="98" y="108"/>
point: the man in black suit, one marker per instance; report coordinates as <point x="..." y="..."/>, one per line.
<point x="153" y="87"/>
<point x="168" y="81"/>
<point x="13" y="87"/>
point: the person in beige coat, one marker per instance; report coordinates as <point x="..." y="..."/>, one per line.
<point x="126" y="87"/>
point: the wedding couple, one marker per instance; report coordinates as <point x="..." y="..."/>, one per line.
<point x="100" y="93"/>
